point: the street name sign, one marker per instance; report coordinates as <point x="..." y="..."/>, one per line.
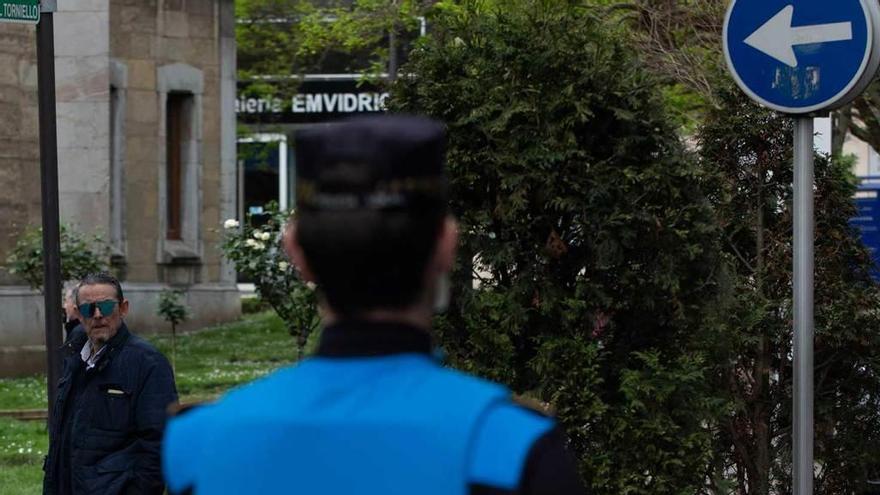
<point x="802" y="56"/>
<point x="22" y="11"/>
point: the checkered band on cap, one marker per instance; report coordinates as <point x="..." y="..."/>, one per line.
<point x="377" y="163"/>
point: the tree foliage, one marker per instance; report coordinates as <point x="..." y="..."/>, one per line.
<point x="679" y="40"/>
<point x="280" y="40"/>
<point x="608" y="286"/>
<point x="289" y="37"/>
<point x="861" y="118"/>
<point x="750" y="149"/>
<point x="172" y="310"/>
<point x="583" y="219"/>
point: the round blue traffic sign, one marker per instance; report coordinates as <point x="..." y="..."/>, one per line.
<point x="801" y="56"/>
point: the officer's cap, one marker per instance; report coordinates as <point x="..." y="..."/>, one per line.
<point x="388" y="162"/>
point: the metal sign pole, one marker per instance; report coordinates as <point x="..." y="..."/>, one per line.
<point x="49" y="187"/>
<point x="804" y="228"/>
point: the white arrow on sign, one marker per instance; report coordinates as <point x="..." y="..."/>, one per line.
<point x="777" y="38"/>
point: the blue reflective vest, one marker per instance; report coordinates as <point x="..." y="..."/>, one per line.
<point x="365" y="425"/>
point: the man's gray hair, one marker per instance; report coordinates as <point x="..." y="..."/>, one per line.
<point x="68" y="290"/>
<point x="100" y="278"/>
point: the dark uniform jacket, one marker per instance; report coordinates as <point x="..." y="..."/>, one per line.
<point x="108" y="421"/>
<point x="371" y="413"/>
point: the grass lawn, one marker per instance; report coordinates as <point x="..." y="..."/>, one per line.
<point x="208" y="363"/>
<point x="23" y="393"/>
<point x="22" y="447"/>
<point x="214" y="360"/>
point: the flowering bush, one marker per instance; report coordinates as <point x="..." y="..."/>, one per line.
<point x="80" y="255"/>
<point x="257" y="254"/>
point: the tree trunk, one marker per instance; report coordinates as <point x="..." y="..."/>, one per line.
<point x="393" y="62"/>
<point x="761" y="396"/>
<point x="761" y="420"/>
<point x="174" y="349"/>
<point x="840" y="123"/>
<point x="392" y="55"/>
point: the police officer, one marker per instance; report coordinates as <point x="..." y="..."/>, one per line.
<point x="372" y="412"/>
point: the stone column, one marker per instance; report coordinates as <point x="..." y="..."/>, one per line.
<point x="82" y="71"/>
<point x="228" y="153"/>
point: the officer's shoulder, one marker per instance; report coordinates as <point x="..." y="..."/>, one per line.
<point x="517" y="421"/>
<point x="503" y="442"/>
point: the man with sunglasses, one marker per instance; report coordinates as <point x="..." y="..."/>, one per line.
<point x="115" y="388"/>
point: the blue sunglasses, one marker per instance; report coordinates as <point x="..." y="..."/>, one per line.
<point x="88" y="309"/>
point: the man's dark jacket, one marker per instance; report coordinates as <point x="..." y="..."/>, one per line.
<point x="108" y="421"/>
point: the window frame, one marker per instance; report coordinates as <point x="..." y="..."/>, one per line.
<point x="186" y="82"/>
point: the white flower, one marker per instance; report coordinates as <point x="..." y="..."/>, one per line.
<point x="311" y="285"/>
<point x="265" y="236"/>
<point x="258" y="235"/>
<point x="255" y="244"/>
<point x="231" y="224"/>
<point x="283" y="266"/>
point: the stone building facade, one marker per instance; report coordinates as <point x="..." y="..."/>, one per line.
<point x="146" y="145"/>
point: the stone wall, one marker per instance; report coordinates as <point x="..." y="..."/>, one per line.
<point x="147" y="37"/>
<point x="116" y="62"/>
<point x="82" y="95"/>
<point x="19" y="138"/>
<point x="23" y="345"/>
